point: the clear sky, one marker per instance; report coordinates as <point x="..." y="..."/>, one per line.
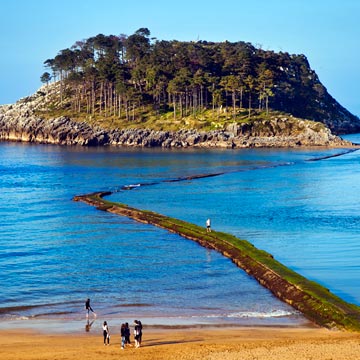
<point x="326" y="31"/>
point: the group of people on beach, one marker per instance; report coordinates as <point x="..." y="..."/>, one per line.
<point x="125" y="334"/>
<point x="124" y="330"/>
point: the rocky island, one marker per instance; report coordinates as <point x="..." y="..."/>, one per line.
<point x="132" y="91"/>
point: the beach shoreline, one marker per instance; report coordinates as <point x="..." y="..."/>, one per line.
<point x="93" y="324"/>
<point x="190" y="343"/>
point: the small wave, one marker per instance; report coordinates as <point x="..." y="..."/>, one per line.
<point x="133" y="305"/>
<point x="252" y="314"/>
<point x="260" y="314"/>
<point x="18" y="317"/>
<point x="20" y="308"/>
<point x="131" y="186"/>
<point x="11" y="309"/>
<point x="55" y="313"/>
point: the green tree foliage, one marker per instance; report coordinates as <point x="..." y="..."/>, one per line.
<point x="117" y="75"/>
<point x="45" y="77"/>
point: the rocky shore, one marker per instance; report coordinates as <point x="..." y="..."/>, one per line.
<point x="19" y="122"/>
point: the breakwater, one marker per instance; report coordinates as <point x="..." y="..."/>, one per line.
<point x="317" y="303"/>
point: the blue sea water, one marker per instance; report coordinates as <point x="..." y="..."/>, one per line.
<point x="55" y="253"/>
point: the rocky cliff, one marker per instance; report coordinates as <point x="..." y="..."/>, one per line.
<point x="19" y="122"/>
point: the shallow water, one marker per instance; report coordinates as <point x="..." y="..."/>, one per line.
<point x="54" y="253"/>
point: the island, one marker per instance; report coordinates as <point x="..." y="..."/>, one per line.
<point x="139" y="91"/>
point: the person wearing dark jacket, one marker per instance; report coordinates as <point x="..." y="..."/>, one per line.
<point x="127" y="334"/>
<point x="88" y="308"/>
<point x="123" y="335"/>
<point x="137" y="333"/>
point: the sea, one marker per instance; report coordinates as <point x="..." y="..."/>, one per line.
<point x="300" y="205"/>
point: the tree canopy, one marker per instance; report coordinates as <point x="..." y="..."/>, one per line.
<point x="112" y="75"/>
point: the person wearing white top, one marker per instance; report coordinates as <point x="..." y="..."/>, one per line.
<point x="208" y="225"/>
<point x="106" y="333"/>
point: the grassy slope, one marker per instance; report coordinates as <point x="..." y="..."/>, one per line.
<point x="316" y="302"/>
<point x="147" y="118"/>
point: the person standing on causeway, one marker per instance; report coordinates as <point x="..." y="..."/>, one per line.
<point x="208" y="225"/>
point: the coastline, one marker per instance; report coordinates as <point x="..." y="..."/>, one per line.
<point x="314" y="301"/>
<point x="191" y="343"/>
<point x="68" y="325"/>
<point x="21" y="122"/>
<point x="65" y="132"/>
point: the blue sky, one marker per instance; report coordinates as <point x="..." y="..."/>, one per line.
<point x="326" y="31"/>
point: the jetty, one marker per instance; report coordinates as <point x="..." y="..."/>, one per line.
<point x="313" y="300"/>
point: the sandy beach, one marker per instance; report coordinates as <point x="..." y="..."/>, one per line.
<point x="196" y="343"/>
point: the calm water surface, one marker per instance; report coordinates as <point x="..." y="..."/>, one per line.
<point x="54" y="253"/>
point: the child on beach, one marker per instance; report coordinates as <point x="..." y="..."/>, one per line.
<point x="106" y="333"/>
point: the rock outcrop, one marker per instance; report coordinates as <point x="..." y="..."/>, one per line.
<point x="19" y="122"/>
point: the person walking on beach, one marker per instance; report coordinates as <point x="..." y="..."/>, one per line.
<point x="208" y="225"/>
<point x="137" y="333"/>
<point x="127" y="334"/>
<point x="88" y="308"/>
<point x="106" y="333"/>
<point x="123" y="335"/>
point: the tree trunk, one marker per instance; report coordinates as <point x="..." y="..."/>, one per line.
<point x="101" y="97"/>
<point x="119" y="106"/>
<point x="174" y="104"/>
<point x="249" y="105"/>
<point x="234" y="103"/>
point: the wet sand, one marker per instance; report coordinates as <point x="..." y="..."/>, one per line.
<point x="224" y="343"/>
